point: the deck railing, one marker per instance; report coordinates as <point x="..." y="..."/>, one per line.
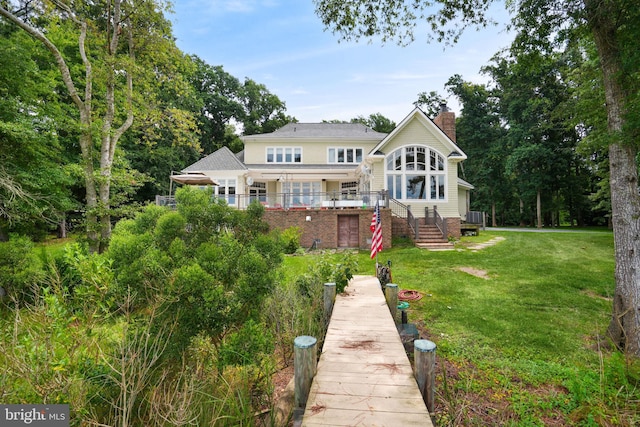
<point x="286" y="201"/>
<point x="474" y="217"/>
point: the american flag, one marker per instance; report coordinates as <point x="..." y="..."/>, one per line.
<point x="376" y="228"/>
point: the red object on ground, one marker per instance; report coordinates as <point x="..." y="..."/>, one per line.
<point x="408" y="295"/>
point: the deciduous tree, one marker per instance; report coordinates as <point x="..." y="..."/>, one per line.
<point x="34" y="183"/>
<point x="481" y="135"/>
<point x="98" y="74"/>
<point x="377" y="122"/>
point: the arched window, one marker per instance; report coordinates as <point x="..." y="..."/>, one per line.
<point x="416" y="172"/>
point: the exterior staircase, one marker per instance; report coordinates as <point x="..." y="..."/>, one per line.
<point x="430" y="237"/>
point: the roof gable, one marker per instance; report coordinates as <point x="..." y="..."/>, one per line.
<point x="222" y="159"/>
<point x="418" y="115"/>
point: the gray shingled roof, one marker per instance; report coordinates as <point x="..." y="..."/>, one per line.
<point x="291" y="166"/>
<point x="323" y="130"/>
<point x="223" y="159"/>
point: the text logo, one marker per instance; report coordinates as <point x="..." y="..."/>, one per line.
<point x="34" y="415"/>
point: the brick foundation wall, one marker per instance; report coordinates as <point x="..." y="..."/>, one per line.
<point x="401" y="228"/>
<point x="453" y="227"/>
<point x="323" y="225"/>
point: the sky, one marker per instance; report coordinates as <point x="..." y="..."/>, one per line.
<point x="284" y="45"/>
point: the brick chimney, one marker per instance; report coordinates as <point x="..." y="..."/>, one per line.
<point x="446" y="121"/>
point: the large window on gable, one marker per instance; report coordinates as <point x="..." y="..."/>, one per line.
<point x="416" y="172"/>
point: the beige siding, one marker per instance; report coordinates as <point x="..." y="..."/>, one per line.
<point x="377" y="176"/>
<point x="332" y="186"/>
<point x="462" y="203"/>
<point x="314" y="152"/>
<point x="237" y="175"/>
<point x="416" y="133"/>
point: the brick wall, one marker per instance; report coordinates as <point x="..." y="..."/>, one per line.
<point x="323" y="224"/>
<point x="446" y="121"/>
<point x="453" y="227"/>
<point x="401" y="228"/>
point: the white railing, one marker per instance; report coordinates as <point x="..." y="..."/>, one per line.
<point x="286" y="201"/>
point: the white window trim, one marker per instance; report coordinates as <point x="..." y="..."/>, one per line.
<point x="355" y="155"/>
<point x="283" y="148"/>
<point x="427" y="172"/>
<point x="226" y="184"/>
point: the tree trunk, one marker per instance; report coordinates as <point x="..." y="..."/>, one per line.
<point x="62" y="228"/>
<point x="538" y="209"/>
<point x="522" y="222"/>
<point x="111" y="136"/>
<point x="493" y="214"/>
<point x="624" y="328"/>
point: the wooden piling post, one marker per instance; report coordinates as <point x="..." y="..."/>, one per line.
<point x="424" y="355"/>
<point x="304" y="368"/>
<point x="329" y="299"/>
<point x="391" y="295"/>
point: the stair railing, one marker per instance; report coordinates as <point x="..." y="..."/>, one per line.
<point x="440" y="222"/>
<point x="404" y="211"/>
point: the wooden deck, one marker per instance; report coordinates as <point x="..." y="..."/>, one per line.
<point x="364" y="377"/>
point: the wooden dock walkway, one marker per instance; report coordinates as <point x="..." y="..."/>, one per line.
<point x="364" y="377"/>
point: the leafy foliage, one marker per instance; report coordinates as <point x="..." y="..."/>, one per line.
<point x="290" y="238"/>
<point x="21" y="271"/>
<point x="208" y="264"/>
<point x="326" y="269"/>
<point x="377" y="122"/>
<point x="34" y="181"/>
<point x="247" y="346"/>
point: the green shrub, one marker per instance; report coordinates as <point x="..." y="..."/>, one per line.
<point x="88" y="279"/>
<point x="169" y="227"/>
<point x="248" y="346"/>
<point x="290" y="238"/>
<point x="146" y="220"/>
<point x="21" y="271"/>
<point x="328" y="268"/>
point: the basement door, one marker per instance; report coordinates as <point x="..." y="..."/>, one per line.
<point x="348" y="236"/>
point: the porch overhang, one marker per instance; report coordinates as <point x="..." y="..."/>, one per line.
<point x="306" y="174"/>
<point x="193" y="179"/>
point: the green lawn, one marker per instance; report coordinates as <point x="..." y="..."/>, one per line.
<point x="519" y="328"/>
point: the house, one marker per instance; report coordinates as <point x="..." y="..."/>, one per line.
<point x="327" y="177"/>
